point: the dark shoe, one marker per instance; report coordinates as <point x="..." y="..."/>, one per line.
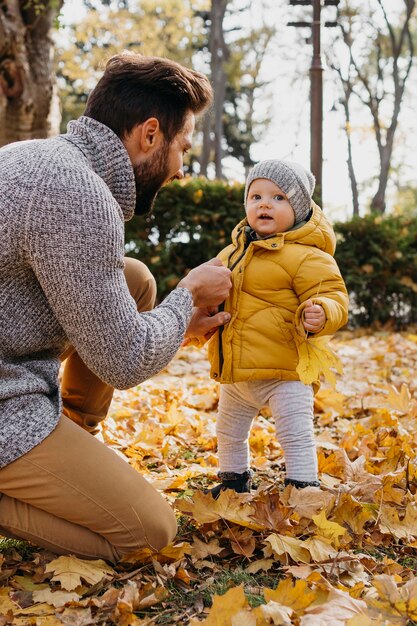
<point x="241" y="483"/>
<point x="301" y="484"/>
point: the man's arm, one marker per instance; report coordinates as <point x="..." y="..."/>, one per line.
<point x="77" y="256"/>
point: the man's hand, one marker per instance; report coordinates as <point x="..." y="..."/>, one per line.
<point x="314" y="317"/>
<point x="205" y="321"/>
<point x="209" y="283"/>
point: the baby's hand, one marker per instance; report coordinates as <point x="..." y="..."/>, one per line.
<point x="314" y="317"/>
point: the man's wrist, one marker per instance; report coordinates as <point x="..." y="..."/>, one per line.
<point x="185" y="284"/>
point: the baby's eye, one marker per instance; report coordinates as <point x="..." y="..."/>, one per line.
<point x="278" y="196"/>
<point x="256" y="196"/>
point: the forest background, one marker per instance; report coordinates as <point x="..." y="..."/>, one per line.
<point x="52" y="53"/>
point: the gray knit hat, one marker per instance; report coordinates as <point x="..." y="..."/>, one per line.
<point x="295" y="181"/>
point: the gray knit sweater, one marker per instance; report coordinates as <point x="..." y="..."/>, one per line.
<point x="63" y="203"/>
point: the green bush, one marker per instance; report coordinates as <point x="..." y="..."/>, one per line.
<point x="192" y="221"/>
<point x="378" y="260"/>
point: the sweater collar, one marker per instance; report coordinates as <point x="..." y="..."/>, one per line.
<point x="108" y="158"/>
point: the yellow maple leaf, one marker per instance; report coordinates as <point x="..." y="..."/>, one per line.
<point x="200" y="549"/>
<point x="352" y="514"/>
<point x="394" y="399"/>
<point x="329" y="400"/>
<point x="242" y="540"/>
<point x="230" y="506"/>
<point x="69" y="570"/>
<point x="401" y="529"/>
<point x="281" y="544"/>
<point x="224" y="608"/>
<point x="315" y="359"/>
<point x="169" y="553"/>
<point x="6" y="603"/>
<point x="149" y="595"/>
<point x="173" y="552"/>
<point x="56" y="598"/>
<point x="270" y="513"/>
<point x="26" y="583"/>
<point x="260" y="564"/>
<point x="396" y="600"/>
<point x="328" y="529"/>
<point x="335" y="610"/>
<point x="273" y="613"/>
<point x="298" y="596"/>
<point x="320" y="548"/>
<point x="39" y="610"/>
<point x="309" y="501"/>
<point x="41" y="620"/>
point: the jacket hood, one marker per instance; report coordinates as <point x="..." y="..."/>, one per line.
<point x="316" y="232"/>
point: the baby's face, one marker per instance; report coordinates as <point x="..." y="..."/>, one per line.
<point x="267" y="208"/>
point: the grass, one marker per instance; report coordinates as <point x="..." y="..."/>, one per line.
<point x="23" y="548"/>
<point x="186" y="601"/>
<point x="400" y="554"/>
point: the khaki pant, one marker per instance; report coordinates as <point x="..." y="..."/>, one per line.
<point x="71" y="493"/>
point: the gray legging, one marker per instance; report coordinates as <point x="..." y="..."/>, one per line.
<point x="291" y="403"/>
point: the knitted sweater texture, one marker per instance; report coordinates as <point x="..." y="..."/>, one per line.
<point x="63" y="203"/>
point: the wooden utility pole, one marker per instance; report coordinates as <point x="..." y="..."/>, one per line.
<point x="316" y="88"/>
<point x="316" y="99"/>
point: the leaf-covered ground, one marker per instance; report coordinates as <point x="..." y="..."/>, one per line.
<point x="345" y="554"/>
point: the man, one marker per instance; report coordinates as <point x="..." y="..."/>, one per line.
<point x="66" y="291"/>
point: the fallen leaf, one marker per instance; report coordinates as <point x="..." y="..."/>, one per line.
<point x="242" y="541"/>
<point x="273" y="613"/>
<point x="328" y="529"/>
<point x="76" y="617"/>
<point x="309" y="501"/>
<point x="260" y="564"/>
<point x="295" y="595"/>
<point x="6" y="604"/>
<point x="224" y="608"/>
<point x="395" y="600"/>
<point x="200" y="549"/>
<point x="282" y="545"/>
<point x="69" y="570"/>
<point x="401" y="529"/>
<point x="231" y="506"/>
<point x="56" y="598"/>
<point x="397" y="400"/>
<point x="338" y="608"/>
<point x="320" y="549"/>
<point x="270" y="513"/>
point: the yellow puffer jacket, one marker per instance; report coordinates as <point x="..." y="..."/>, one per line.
<point x="272" y="279"/>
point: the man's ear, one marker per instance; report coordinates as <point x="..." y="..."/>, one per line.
<point x="143" y="139"/>
<point x="148" y="134"/>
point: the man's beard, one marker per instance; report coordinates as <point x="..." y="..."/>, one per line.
<point x="149" y="177"/>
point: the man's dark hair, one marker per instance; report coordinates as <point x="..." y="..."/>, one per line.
<point x="134" y="88"/>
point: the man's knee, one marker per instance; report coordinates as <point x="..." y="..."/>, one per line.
<point x="141" y="283"/>
<point x="163" y="530"/>
<point x="157" y="533"/>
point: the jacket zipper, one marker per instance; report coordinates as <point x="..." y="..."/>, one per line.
<point x="221" y="307"/>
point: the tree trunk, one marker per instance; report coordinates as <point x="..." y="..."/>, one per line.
<point x="378" y="204"/>
<point x="207" y="143"/>
<point x="27" y="78"/>
<point x="351" y="168"/>
<point x="219" y="55"/>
